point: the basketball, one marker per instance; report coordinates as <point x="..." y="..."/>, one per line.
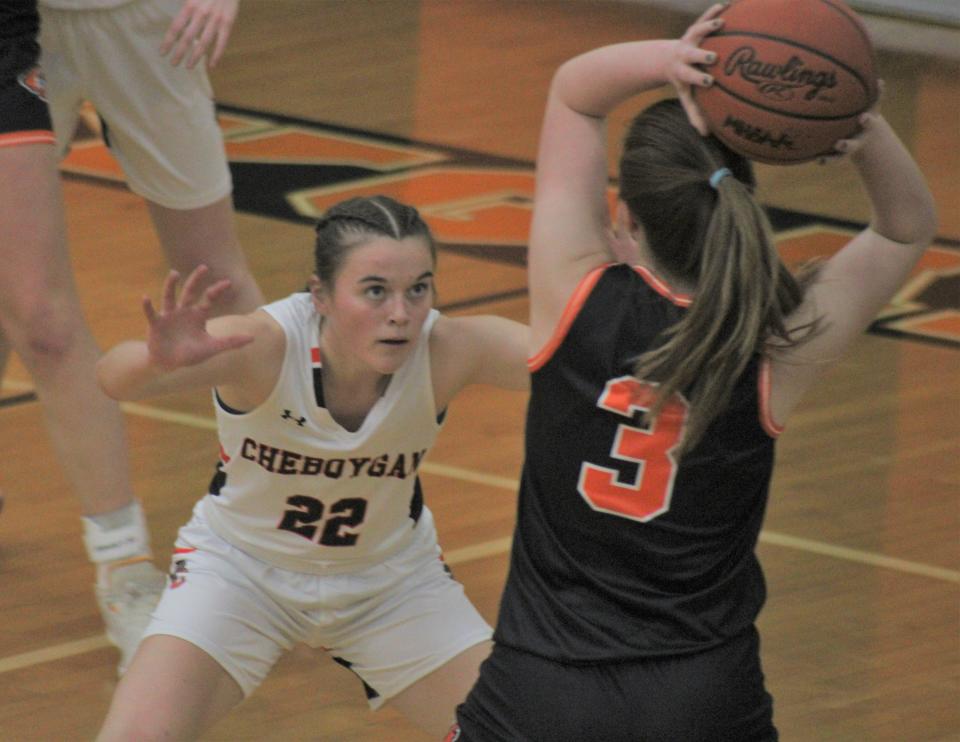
<point x="791" y="78"/>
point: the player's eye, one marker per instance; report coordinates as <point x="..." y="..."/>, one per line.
<point x="419" y="289"/>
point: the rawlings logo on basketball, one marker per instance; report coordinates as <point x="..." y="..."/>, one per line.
<point x="759" y="135"/>
<point x="779" y="81"/>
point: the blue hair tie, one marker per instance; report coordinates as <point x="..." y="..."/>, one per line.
<point x="719" y="175"/>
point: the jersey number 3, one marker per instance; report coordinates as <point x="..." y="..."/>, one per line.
<point x="651" y="450"/>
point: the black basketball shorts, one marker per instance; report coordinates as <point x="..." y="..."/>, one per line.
<point x="717" y="695"/>
<point x="24" y="116"/>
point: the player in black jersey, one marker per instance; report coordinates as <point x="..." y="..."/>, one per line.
<point x="657" y="393"/>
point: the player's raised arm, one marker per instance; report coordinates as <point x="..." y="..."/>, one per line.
<point x="569" y="234"/>
<point x="855" y="284"/>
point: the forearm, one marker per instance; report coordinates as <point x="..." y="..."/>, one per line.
<point x="594" y="83"/>
<point x="126" y="372"/>
<point x="903" y="208"/>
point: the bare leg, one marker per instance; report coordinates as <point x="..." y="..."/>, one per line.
<point x="172" y="691"/>
<point x="41" y="317"/>
<point x="4" y="355"/>
<point x="431" y="702"/>
<point x="208" y="235"/>
<point x="4" y="358"/>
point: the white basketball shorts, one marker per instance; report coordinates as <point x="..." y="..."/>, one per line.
<point x="391" y="624"/>
<point x="160" y="120"/>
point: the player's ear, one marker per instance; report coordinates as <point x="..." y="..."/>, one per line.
<point x="318" y="293"/>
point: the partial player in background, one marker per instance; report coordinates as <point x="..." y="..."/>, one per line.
<point x="41" y="319"/>
<point x="315" y="529"/>
<point x="159" y="122"/>
<point x="158" y="117"/>
<point x="657" y="394"/>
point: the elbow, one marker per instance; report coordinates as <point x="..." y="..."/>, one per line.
<point x="930" y="224"/>
<point x="925" y="224"/>
<point x="107" y="381"/>
<point x="916" y="225"/>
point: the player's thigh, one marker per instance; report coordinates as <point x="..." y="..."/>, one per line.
<point x="160" y="120"/>
<point x="206" y="235"/>
<point x="431" y="701"/>
<point x="172" y="690"/>
<point x="33" y="247"/>
<point x="417" y="622"/>
<point x="215" y="601"/>
<point x="32" y="229"/>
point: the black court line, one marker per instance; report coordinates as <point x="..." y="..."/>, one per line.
<point x="18" y="399"/>
<point x="481" y="300"/>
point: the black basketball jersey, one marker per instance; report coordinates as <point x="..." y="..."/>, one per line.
<point x="620" y="550"/>
<point x="19" y="26"/>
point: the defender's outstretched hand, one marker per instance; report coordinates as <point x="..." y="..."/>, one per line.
<point x="177" y="332"/>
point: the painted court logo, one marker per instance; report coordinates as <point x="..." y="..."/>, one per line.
<point x="480" y="206"/>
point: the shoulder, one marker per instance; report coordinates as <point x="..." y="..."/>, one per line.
<point x="295" y="308"/>
<point x="451" y="337"/>
<point x="442" y="335"/>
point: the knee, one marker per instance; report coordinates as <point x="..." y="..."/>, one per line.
<point x="43" y="331"/>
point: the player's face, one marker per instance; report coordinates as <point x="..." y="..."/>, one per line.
<point x="381" y="297"/>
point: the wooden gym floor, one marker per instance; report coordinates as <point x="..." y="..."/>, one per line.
<point x="861" y="631"/>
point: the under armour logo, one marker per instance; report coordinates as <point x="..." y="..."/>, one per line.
<point x="287" y="415"/>
<point x="178" y="575"/>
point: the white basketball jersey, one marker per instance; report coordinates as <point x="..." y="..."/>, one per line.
<point x="298" y="490"/>
<point x="83" y="4"/>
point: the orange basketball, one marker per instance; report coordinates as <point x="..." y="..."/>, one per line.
<point x="791" y="78"/>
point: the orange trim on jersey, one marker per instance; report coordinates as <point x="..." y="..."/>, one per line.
<point x="763" y="389"/>
<point x="183" y="550"/>
<point x="223" y="455"/>
<point x="661" y="287"/>
<point x="315" y="356"/>
<point x="570" y="312"/>
<point x="36" y="136"/>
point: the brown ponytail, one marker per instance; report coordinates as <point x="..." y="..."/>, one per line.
<point x="717" y="238"/>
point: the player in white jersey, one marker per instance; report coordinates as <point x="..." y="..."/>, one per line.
<point x="159" y="122"/>
<point x="314" y="529"/>
<point x="158" y="118"/>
